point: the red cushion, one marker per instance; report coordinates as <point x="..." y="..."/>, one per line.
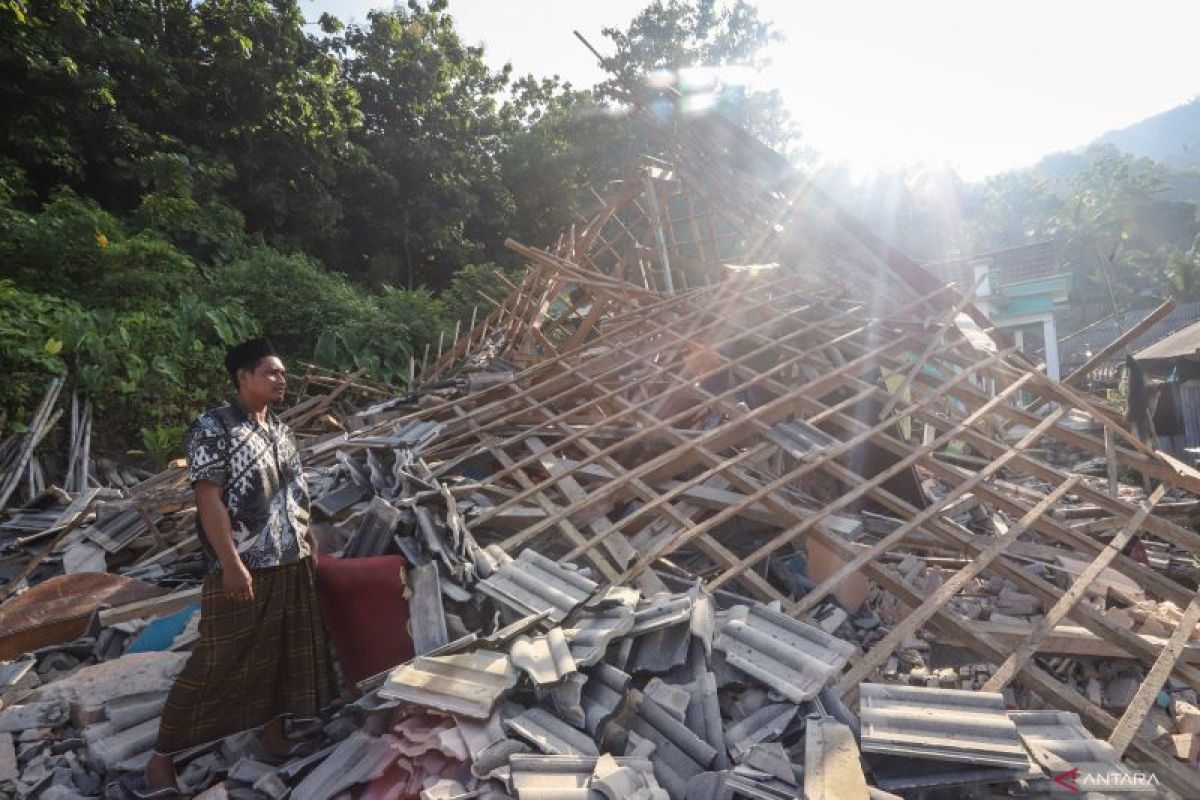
<point x="362" y="600"/>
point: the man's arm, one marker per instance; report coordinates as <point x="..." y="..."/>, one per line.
<point x="214" y="520"/>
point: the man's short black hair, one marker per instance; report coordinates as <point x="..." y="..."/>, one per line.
<point x="247" y="355"/>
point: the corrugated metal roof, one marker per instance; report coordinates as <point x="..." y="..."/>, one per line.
<point x="464" y="683"/>
<point x="533" y="583"/>
<point x="942" y="724"/>
<point x="795" y="659"/>
<point x="546" y="658"/>
<point x="1059" y="743"/>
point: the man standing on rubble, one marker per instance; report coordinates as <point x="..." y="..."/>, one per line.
<point x="262" y="653"/>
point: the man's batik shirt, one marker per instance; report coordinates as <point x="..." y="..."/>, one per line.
<point x="262" y="482"/>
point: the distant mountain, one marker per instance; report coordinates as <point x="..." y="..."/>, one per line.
<point x="1171" y="138"/>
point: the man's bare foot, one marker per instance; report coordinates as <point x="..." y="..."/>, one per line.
<point x="160" y="773"/>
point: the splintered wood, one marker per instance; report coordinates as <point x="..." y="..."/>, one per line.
<point x="782" y="432"/>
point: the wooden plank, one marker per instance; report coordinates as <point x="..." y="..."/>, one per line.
<point x="832" y="766"/>
<point x="36" y="561"/>
<point x="1056" y="614"/>
<point x="684" y="456"/>
<point x="674" y="462"/>
<point x="1147" y="693"/>
<point x="1069" y="640"/>
<point x="935" y="341"/>
<point x="616" y="544"/>
<point x="150" y="609"/>
<point x="952" y="586"/>
<point x="861" y="488"/>
<point x="818" y="593"/>
<point x="1116" y="344"/>
<point x="973" y="397"/>
<point x="37" y="429"/>
<point x="1172" y="533"/>
<point x="574" y="534"/>
<point x="1086" y="614"/>
<point x="1110" y="462"/>
<point x="603" y="529"/>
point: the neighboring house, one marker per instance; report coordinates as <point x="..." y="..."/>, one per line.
<point x="1075" y="349"/>
<point x="1020" y="289"/>
<point x="1164" y="392"/>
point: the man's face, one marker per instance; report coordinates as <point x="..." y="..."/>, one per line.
<point x="265" y="383"/>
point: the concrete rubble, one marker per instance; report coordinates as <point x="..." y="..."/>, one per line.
<point x="670" y="527"/>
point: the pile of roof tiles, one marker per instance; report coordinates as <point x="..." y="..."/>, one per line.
<point x="673" y="526"/>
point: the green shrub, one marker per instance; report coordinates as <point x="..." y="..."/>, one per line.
<point x="60" y="250"/>
<point x="467" y="284"/>
<point x="292" y="297"/>
<point x="143" y="272"/>
<point x="399" y="324"/>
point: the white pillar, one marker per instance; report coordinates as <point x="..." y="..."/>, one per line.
<point x="1050" y="334"/>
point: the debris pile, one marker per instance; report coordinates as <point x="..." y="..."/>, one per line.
<point x="669" y="528"/>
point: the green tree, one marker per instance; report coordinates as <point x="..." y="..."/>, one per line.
<point x="691" y="56"/>
<point x="425" y="187"/>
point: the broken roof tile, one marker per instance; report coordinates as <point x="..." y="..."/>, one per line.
<point x="550" y="734"/>
<point x="546" y="658"/>
<point x="795" y="659"/>
<point x="1059" y="743"/>
<point x="464" y="683"/>
<point x="358" y="759"/>
<point x="660" y="650"/>
<point x="602" y="696"/>
<point x="592" y="633"/>
<point x="943" y="724"/>
<point x="679" y="753"/>
<point x="532" y="583"/>
<point x="544" y="777"/>
<point x="764" y="725"/>
<point x="659" y="612"/>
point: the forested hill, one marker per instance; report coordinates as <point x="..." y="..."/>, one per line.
<point x="175" y="175"/>
<point x="1171" y="138"/>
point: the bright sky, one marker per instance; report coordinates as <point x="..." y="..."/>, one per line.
<point x="981" y="85"/>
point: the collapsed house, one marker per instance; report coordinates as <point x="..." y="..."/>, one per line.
<point x="725" y="499"/>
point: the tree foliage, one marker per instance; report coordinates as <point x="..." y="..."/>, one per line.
<point x="176" y="175"/>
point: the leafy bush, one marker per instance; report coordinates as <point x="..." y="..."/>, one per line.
<point x="292" y="297"/>
<point x="143" y="272"/>
<point x="398" y="326"/>
<point x="138" y="367"/>
<point x="470" y="283"/>
<point x="60" y="250"/>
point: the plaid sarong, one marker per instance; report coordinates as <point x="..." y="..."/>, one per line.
<point x="255" y="660"/>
